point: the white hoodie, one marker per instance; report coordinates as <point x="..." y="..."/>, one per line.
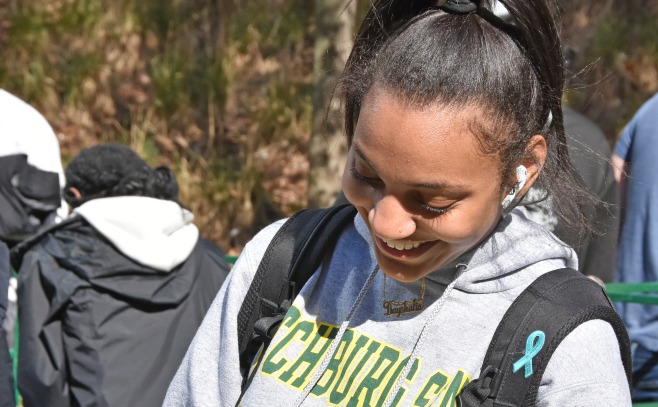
<point x="153" y="232"/>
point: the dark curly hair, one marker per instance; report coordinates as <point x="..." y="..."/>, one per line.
<point x="108" y="170"/>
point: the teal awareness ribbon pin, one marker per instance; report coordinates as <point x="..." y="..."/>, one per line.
<point x="533" y="345"/>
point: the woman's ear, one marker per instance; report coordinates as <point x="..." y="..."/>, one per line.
<point x="533" y="161"/>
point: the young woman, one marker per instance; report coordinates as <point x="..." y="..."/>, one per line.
<point x="452" y="111"/>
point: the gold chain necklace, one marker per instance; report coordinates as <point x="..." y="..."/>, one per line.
<point x="397" y="308"/>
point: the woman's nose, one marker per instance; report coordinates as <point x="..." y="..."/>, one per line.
<point x="390" y="220"/>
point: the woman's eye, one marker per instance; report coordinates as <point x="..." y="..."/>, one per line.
<point x="364" y="178"/>
<point x="437" y="210"/>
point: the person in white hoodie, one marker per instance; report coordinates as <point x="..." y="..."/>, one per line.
<point x="452" y="111"/>
<point x="110" y="298"/>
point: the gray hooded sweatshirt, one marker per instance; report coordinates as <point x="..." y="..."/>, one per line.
<point x="339" y="345"/>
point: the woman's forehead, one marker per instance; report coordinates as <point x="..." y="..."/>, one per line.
<point x="393" y="136"/>
<point x="385" y="112"/>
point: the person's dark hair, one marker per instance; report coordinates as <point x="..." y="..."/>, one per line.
<point x="514" y="73"/>
<point x="108" y="170"/>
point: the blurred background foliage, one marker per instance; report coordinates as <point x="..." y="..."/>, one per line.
<point x="221" y="90"/>
<point x="612" y="49"/>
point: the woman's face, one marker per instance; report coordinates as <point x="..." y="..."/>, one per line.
<point x="420" y="181"/>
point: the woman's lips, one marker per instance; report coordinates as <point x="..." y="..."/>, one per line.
<point x="402" y="249"/>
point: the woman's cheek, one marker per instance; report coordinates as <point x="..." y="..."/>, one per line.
<point x="460" y="226"/>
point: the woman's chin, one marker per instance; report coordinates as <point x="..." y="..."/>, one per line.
<point x="409" y="266"/>
<point x="403" y="272"/>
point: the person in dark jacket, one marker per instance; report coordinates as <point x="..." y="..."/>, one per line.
<point x="110" y="299"/>
<point x="31" y="178"/>
<point x="6" y="371"/>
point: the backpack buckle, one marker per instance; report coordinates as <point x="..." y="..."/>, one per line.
<point x="477" y="392"/>
<point x="267" y="327"/>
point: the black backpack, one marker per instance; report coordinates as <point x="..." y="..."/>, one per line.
<point x="546" y="311"/>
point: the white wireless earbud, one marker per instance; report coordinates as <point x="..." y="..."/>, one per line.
<point x="521" y="176"/>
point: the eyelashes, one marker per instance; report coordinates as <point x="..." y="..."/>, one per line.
<point x="437" y="210"/>
<point x="363" y="178"/>
<point x="374" y="181"/>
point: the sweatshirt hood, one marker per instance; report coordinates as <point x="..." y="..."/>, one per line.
<point x="494" y="265"/>
<point x="153" y="232"/>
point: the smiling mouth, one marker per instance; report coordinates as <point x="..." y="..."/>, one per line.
<point x="401" y="244"/>
<point x="402" y="249"/>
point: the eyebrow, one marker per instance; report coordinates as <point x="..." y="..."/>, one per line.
<point x="444" y="187"/>
<point x="361" y="155"/>
<point x="439" y="186"/>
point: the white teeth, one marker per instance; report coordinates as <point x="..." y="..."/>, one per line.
<point x="400" y="245"/>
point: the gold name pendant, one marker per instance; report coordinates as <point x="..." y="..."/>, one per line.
<point x="398" y="308"/>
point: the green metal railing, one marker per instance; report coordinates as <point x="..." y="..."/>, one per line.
<point x="642" y="293"/>
<point x="646" y="404"/>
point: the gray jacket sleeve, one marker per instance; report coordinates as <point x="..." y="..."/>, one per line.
<point x="586" y="370"/>
<point x="210" y="372"/>
<point x="599" y="256"/>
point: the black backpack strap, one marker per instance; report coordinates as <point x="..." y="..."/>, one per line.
<point x="292" y="256"/>
<point x="530" y="331"/>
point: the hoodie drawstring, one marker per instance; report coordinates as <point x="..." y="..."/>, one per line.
<point x="336" y="341"/>
<point x="421" y="338"/>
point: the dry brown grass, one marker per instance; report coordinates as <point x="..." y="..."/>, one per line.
<point x="183" y="87"/>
